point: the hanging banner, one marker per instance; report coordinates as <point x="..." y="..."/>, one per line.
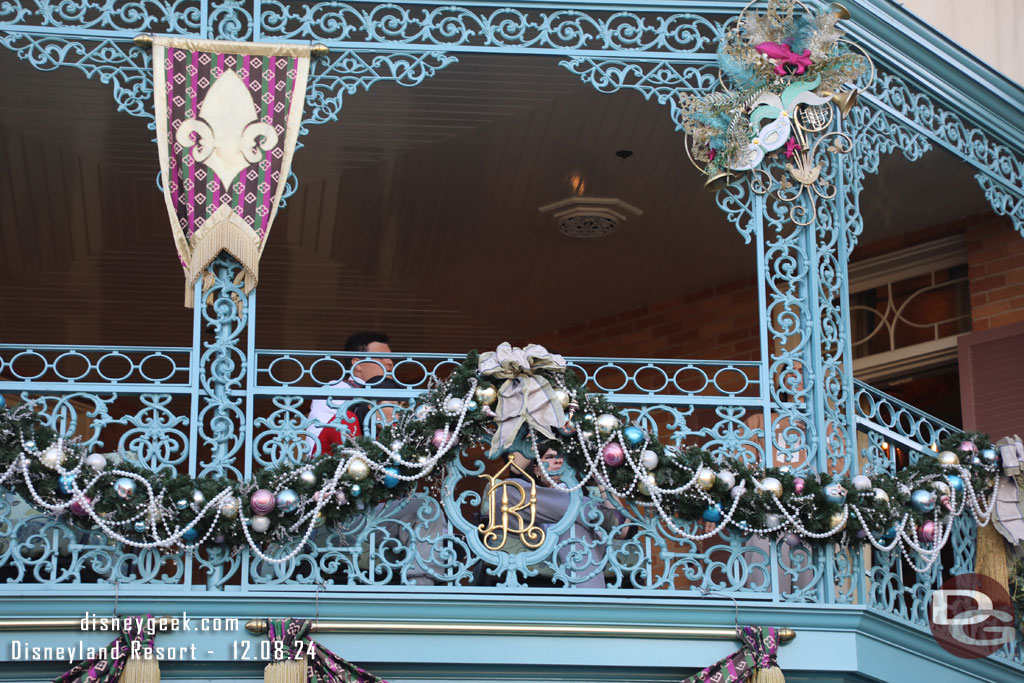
<point x="227" y="120"/>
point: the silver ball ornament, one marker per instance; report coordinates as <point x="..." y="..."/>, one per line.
<point x="792" y="540"/>
<point x="308" y="477"/>
<point x="563" y="398"/>
<point x="125" y="488"/>
<point x="737" y="491"/>
<point x="198" y="498"/>
<point x="229" y="508"/>
<point x="881" y="496"/>
<point x="606" y="424"/>
<point x="649" y="459"/>
<point x="52" y="457"/>
<point x="453" y="406"/>
<point x="259" y="523"/>
<point x="862" y="483"/>
<point x="358" y="469"/>
<point x="96" y="462"/>
<point x="727" y="478"/>
<point x="772" y="521"/>
<point x="772" y="486"/>
<point x="705" y="478"/>
<point x="486" y="396"/>
<point x="836" y="521"/>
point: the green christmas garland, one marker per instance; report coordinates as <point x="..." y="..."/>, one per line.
<point x="912" y="509"/>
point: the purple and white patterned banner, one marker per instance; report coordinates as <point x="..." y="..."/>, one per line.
<point x="227" y="118"/>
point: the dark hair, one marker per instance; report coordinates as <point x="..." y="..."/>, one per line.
<point x="549" y="445"/>
<point x="360" y="341"/>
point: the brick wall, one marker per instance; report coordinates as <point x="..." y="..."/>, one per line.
<point x="718" y="323"/>
<point x="995" y="261"/>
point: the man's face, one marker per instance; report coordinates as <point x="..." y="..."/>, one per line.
<point x="373" y="367"/>
<point x="551" y="461"/>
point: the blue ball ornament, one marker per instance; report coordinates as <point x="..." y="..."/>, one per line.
<point x="391" y="477"/>
<point x="835" y="493"/>
<point x="889" y="534"/>
<point x="125" y="488"/>
<point x="356" y="490"/>
<point x="140" y="527"/>
<point x="287" y="501"/>
<point x="634" y="435"/>
<point x="472" y="406"/>
<point x="955" y="482"/>
<point x="190" y="536"/>
<point x="990" y="456"/>
<point x="922" y="500"/>
<point x="66" y="484"/>
<point x="713" y="514"/>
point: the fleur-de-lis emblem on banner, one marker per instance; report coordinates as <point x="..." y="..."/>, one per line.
<point x="228" y="136"/>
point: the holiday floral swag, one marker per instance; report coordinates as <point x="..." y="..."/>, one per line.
<point x="779" y="71"/>
<point x="511" y="400"/>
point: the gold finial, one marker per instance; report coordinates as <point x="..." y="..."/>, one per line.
<point x="319" y="50"/>
<point x="144" y="40"/>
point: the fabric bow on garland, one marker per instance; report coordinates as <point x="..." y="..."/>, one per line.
<point x="117" y="664"/>
<point x="755" y="661"/>
<point x="307" y="661"/>
<point x="1008" y="516"/>
<point x="525" y="398"/>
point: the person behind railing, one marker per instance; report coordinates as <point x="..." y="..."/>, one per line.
<point x="369" y="372"/>
<point x="551" y="506"/>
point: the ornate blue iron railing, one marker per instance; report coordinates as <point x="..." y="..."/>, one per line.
<point x="225" y="407"/>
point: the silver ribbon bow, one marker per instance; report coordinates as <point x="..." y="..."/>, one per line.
<point x="1008" y="517"/>
<point x="524" y="398"/>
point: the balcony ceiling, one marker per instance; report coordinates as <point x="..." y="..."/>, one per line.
<point x="417" y="213"/>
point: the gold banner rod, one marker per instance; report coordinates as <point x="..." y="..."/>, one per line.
<point x="259" y="627"/>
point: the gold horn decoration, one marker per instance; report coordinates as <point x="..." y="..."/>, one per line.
<point x="717" y="181"/>
<point x="845" y="101"/>
<point x="840" y="11"/>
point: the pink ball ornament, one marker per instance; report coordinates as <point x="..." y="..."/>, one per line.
<point x="968" y="446"/>
<point x="798" y="485"/>
<point x="792" y="540"/>
<point x="613" y="455"/>
<point x="78" y="509"/>
<point x="262" y="502"/>
<point x="439" y="438"/>
<point x="927" y="532"/>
